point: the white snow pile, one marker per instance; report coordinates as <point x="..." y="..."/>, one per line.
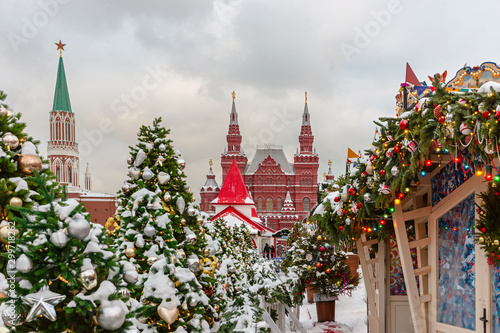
<point x="485" y="88"/>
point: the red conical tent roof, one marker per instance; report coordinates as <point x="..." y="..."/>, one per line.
<point x="233" y="190"/>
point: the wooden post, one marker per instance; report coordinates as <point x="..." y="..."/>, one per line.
<point x="417" y="314"/>
<point x="370" y="289"/>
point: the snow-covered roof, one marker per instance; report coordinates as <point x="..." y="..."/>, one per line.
<point x="233" y="217"/>
<point x="277" y="154"/>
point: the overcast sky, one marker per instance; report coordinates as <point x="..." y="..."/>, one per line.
<point x="128" y="62"/>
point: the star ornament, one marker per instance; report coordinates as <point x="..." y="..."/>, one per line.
<point x="42" y="304"/>
<point x="160" y="161"/>
<point x="60" y="45"/>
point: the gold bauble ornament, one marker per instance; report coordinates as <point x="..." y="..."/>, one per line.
<point x="16" y="201"/>
<point x="28" y="163"/>
<point x="226" y="286"/>
<point x="481" y="240"/>
<point x="496" y="242"/>
<point x="206" y="252"/>
<point x="6" y="232"/>
<point x="169" y="315"/>
<point x="216" y="308"/>
<point x="183" y="221"/>
<point x="319" y="238"/>
<point x="130" y="252"/>
<point x="3" y="295"/>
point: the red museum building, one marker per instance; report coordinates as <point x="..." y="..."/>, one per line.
<point x="283" y="192"/>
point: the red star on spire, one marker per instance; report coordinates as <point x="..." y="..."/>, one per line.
<point x="60" y="45"/>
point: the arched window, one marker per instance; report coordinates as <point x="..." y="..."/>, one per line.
<point x="259" y="204"/>
<point x="279" y="181"/>
<point x="67" y="132"/>
<point x="58" y="131"/>
<point x="260" y="181"/>
<point x="278" y="204"/>
<point x="269" y="204"/>
<point x="58" y="174"/>
<point x="69" y="176"/>
<point x="288" y="182"/>
<point x="250" y="182"/>
<point x="305" y="204"/>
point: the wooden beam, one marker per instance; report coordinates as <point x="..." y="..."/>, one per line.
<point x="417" y="213"/>
<point x="370" y="242"/>
<point x="420" y="243"/>
<point x="422" y="270"/>
<point x="372" y="261"/>
<point x="370" y="290"/>
<point x="426" y="298"/>
<point x="417" y="313"/>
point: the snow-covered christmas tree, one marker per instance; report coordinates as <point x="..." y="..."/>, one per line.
<point x="320" y="267"/>
<point x="245" y="279"/>
<point x="66" y="273"/>
<point x="161" y="242"/>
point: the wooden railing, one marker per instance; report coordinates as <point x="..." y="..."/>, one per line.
<point x="282" y="311"/>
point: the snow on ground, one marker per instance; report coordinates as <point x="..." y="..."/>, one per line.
<point x="350" y="313"/>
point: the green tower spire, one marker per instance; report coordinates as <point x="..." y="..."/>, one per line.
<point x="61" y="96"/>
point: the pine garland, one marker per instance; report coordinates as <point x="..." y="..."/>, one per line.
<point x="488" y="236"/>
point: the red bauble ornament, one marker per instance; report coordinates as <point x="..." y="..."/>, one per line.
<point x="437" y="111"/>
<point x="483" y="230"/>
<point x="486" y="114"/>
<point x="322" y="248"/>
<point x="428" y="163"/>
<point x="497" y="115"/>
<point x="328" y="271"/>
<point x="318" y="265"/>
<point x="382" y="172"/>
<point x="336" y="199"/>
<point x="351" y="191"/>
<point x="341" y="228"/>
<point x="403" y="124"/>
<point x="359" y="205"/>
<point x="344" y="212"/>
<point x="441" y="120"/>
<point x="397" y="148"/>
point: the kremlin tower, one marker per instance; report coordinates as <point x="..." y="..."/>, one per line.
<point x="63" y="154"/>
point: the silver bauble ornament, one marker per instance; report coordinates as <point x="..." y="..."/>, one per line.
<point x="140" y="242"/>
<point x="191" y="238"/>
<point x="369" y="169"/>
<point x="186" y="188"/>
<point x="139" y="157"/>
<point x="163" y="178"/>
<point x="169" y="315"/>
<point x="367" y="197"/>
<point x="10" y="318"/>
<point x="125" y="187"/>
<point x="131" y="276"/>
<point x="182" y="163"/>
<point x="10" y="140"/>
<point x="130" y="160"/>
<point x="180" y="254"/>
<point x="89" y="279"/>
<point x="167" y="196"/>
<point x="79" y="228"/>
<point x="162" y="147"/>
<point x="111" y="315"/>
<point x="147" y="174"/>
<point x="59" y="238"/>
<point x="181" y="204"/>
<point x="395" y="171"/>
<point x="125" y="292"/>
<point x="24" y="264"/>
<point x="194" y="265"/>
<point x="134" y="172"/>
<point x="183" y="221"/>
<point x="152" y="260"/>
<point x="149" y="230"/>
<point x="348" y="221"/>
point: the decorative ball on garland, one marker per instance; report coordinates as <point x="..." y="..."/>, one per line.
<point x="130" y="252"/>
<point x="28" y="163"/>
<point x="78" y="228"/>
<point x="394" y="171"/>
<point x="16" y="201"/>
<point x="111" y="315"/>
<point x="464" y="129"/>
<point x="59" y="238"/>
<point x="404" y="124"/>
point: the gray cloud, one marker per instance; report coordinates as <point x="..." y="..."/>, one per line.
<point x="270" y="52"/>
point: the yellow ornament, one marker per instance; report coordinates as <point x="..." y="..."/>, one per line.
<point x="169" y="315"/>
<point x="130" y="252"/>
<point x="216" y="308"/>
<point x="16" y="201"/>
<point x="496" y="242"/>
<point x="319" y="238"/>
<point x="309" y="268"/>
<point x="28" y="163"/>
<point x="481" y="240"/>
<point x="6" y="232"/>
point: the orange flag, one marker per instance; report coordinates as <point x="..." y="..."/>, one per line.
<point x="351" y="153"/>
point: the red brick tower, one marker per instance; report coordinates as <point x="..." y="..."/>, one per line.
<point x="62" y="149"/>
<point x="233" y="150"/>
<point x="209" y="192"/>
<point x="306" y="163"/>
